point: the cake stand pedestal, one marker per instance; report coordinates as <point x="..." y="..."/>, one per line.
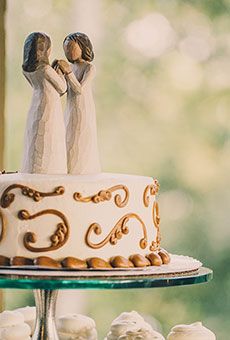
<point x="46" y="284"/>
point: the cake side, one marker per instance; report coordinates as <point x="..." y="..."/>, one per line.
<point x="107" y="217"/>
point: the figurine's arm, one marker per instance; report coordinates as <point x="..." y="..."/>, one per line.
<point x="88" y="75"/>
<point x="56" y="79"/>
<point x="69" y="76"/>
<point x="73" y="82"/>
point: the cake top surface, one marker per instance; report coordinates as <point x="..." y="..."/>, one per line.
<point x="12" y="177"/>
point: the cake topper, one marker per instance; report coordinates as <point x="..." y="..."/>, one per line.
<point x="44" y="143"/>
<point x="80" y="116"/>
<point x="52" y="147"/>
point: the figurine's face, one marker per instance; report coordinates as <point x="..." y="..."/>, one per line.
<point x="72" y="50"/>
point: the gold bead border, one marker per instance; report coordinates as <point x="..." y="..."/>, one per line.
<point x="157" y="258"/>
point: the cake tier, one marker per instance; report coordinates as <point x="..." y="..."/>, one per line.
<point x="79" y="220"/>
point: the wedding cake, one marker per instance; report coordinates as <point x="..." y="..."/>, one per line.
<point x="60" y="210"/>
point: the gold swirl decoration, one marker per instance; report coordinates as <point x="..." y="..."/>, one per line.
<point x="8" y="197"/>
<point x="116" y="233"/>
<point x="3" y="225"/>
<point x="105" y="195"/>
<point x="155" y="245"/>
<point x="58" y="239"/>
<point x="153" y="190"/>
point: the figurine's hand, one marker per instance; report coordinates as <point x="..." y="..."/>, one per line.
<point x="56" y="67"/>
<point x="64" y="66"/>
<point x="54" y="63"/>
<point x="59" y="71"/>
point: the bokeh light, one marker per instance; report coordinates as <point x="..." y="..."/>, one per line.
<point x="151" y="36"/>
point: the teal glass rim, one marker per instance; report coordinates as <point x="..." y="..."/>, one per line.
<point x="25" y="281"/>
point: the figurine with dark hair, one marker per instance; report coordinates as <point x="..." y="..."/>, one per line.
<point x="81" y="129"/>
<point x="44" y="146"/>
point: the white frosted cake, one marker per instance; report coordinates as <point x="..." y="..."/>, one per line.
<point x="13" y="326"/>
<point x="60" y="210"/>
<point x="194" y="331"/>
<point x="80" y="220"/>
<point x="76" y="326"/>
<point x="132" y="326"/>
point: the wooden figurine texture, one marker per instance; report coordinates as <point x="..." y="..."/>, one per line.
<point x="57" y="143"/>
<point x="80" y="115"/>
<point x="44" y="143"/>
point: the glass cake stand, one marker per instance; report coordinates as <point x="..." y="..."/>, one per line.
<point x="47" y="283"/>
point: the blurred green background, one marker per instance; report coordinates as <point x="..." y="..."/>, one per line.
<point x="162" y="101"/>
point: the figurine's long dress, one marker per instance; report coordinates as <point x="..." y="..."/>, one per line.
<point x="81" y="129"/>
<point x="44" y="145"/>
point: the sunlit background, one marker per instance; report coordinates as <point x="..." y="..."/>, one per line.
<point x="162" y="100"/>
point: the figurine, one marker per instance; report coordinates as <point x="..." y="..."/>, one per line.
<point x="44" y="144"/>
<point x="80" y="116"/>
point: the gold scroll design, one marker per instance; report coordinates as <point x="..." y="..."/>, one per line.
<point x="116" y="233"/>
<point x="153" y="190"/>
<point x="8" y="197"/>
<point x="3" y="226"/>
<point x="105" y="195"/>
<point x="57" y="239"/>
